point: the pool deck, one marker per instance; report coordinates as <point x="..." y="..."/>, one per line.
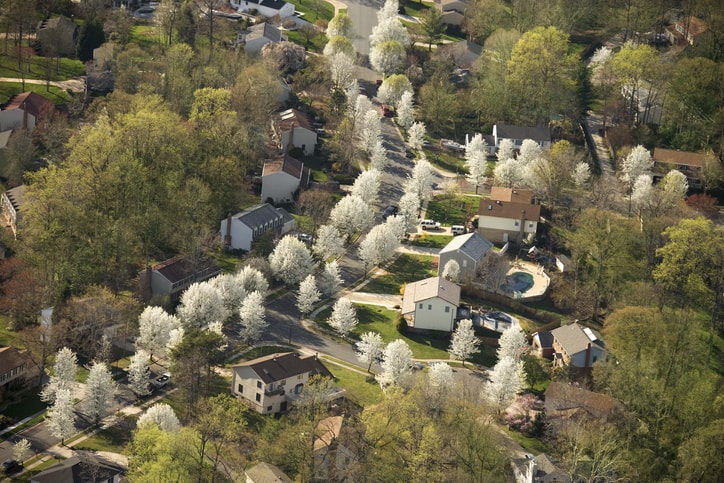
<point x="540" y="280"/>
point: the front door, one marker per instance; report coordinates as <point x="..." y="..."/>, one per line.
<point x="283" y="407"/>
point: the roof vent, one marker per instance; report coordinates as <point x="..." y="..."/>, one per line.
<point x="589" y="333"/>
<point x="490" y="207"/>
<point x="497" y="202"/>
<point x="515" y="192"/>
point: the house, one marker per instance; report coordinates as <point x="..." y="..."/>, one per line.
<point x="266" y="473"/>
<point x="469" y="251"/>
<point x="690" y="164"/>
<point x="58" y="35"/>
<point x="99" y="71"/>
<point x="431" y="304"/>
<point x="453" y="11"/>
<point x="271" y="383"/>
<point x="25" y="111"/>
<point x="16" y="366"/>
<point x="571" y="345"/>
<point x="567" y="405"/>
<point x="171" y="277"/>
<point x="240" y="231"/>
<point x="12" y="202"/>
<point x="333" y="460"/>
<point x="82" y="467"/>
<point x="265" y="8"/>
<point x="539" y="469"/>
<point x="257" y="36"/>
<point x="293" y="129"/>
<point x="686" y="30"/>
<point x="517" y="134"/>
<point x="463" y="53"/>
<point x="508" y="215"/>
<point x="281" y="178"/>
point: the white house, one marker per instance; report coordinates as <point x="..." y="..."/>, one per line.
<point x="508" y="215"/>
<point x="25" y="111"/>
<point x="281" y="178"/>
<point x="468" y="250"/>
<point x="257" y="36"/>
<point x="517" y="134"/>
<point x="271" y="383"/>
<point x="265" y="8"/>
<point x="293" y="128"/>
<point x="12" y="202"/>
<point x="570" y="345"/>
<point x="241" y="230"/>
<point x="431" y="304"/>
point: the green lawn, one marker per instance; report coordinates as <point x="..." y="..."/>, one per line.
<point x="29" y="475"/>
<point x="38" y="69"/>
<point x="54" y="94"/>
<point x="359" y="390"/>
<point x="113" y="439"/>
<point x="7" y="336"/>
<point x="145" y="35"/>
<point x="316" y="44"/>
<point x="415" y="8"/>
<point x="406" y="268"/>
<point x="532" y="445"/>
<point x="452" y="211"/>
<point x="431" y="241"/>
<point x="28" y="406"/>
<point x="326" y="10"/>
<point x="446" y="161"/>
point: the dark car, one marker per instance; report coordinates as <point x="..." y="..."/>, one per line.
<point x="10" y="466"/>
<point x="409" y="154"/>
<point x="389" y="211"/>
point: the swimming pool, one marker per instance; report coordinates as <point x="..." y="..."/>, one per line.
<point x="520" y="282"/>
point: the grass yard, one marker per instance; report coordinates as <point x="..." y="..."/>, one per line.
<point x="113" y="439"/>
<point x="406" y="268"/>
<point x="61" y="69"/>
<point x="7" y="336"/>
<point x="415" y="8"/>
<point x="431" y="241"/>
<point x="532" y="445"/>
<point x="145" y="35"/>
<point x="452" y="211"/>
<point x="446" y="161"/>
<point x="54" y="94"/>
<point x="28" y="406"/>
<point x="29" y="475"/>
<point x="324" y="10"/>
<point x="316" y="44"/>
<point x="359" y="390"/>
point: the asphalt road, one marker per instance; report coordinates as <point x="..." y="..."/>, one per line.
<point x="364" y="17"/>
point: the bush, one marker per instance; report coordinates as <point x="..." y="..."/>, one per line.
<point x="401" y="325"/>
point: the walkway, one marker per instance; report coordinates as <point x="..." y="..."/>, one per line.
<point x="76" y="84"/>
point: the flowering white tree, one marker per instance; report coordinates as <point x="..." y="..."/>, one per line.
<point x="410" y="209"/>
<point x="230" y="289"/>
<point x="367" y="185"/>
<point x="61" y="416"/>
<point x="201" y="305"/>
<point x="637" y="162"/>
<point x="675" y="184"/>
<point x="508" y="173"/>
<point x="341" y="66"/>
<point x="451" y="271"/>
<point x="341" y="24"/>
<point x="291" y="260"/>
<point x="406" y="110"/>
<point x="505" y="150"/>
<point x="642" y="191"/>
<point x="308" y="295"/>
<point x="155" y="326"/>
<point x="344" y="316"/>
<point x="64" y="371"/>
<point x="175" y="338"/>
<point x="416" y="135"/>
<point x="581" y="174"/>
<point x="252" y="280"/>
<point x="440" y="380"/>
<point x="421" y="180"/>
<point x="99" y="392"/>
<point x="351" y="215"/>
<point x="506" y="380"/>
<point x="529" y="151"/>
<point x="512" y="344"/>
<point x="20" y="449"/>
<point x="253" y="317"/>
<point x="163" y="416"/>
<point x="396" y="362"/>
<point x="378" y="156"/>
<point x="370" y="130"/>
<point x="464" y="343"/>
<point x="387" y="57"/>
<point x="378" y="246"/>
<point x="397" y="226"/>
<point x="476" y="161"/>
<point x="139" y="374"/>
<point x="339" y="45"/>
<point x="329" y="242"/>
<point x="362" y="106"/>
<point x="370" y="348"/>
<point x="388" y="26"/>
<point x="393" y="88"/>
<point x="329" y="279"/>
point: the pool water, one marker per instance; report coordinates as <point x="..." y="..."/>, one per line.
<point x="520" y="282"/>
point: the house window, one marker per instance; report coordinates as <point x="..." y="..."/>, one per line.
<point x="258" y="397"/>
<point x="298" y="388"/>
<point x="429" y="306"/>
<point x="530" y="225"/>
<point x="258" y="384"/>
<point x="447" y="309"/>
<point x="269" y="408"/>
<point x="241" y="388"/>
<point x="299" y="376"/>
<point x="465" y="263"/>
<point x="420" y="305"/>
<point x="517" y="223"/>
<point x="283" y="381"/>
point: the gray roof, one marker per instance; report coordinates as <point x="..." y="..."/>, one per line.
<point x="473" y="245"/>
<point x="264" y="30"/>
<point x="427" y="289"/>
<point x="81" y="467"/>
<point x="286" y="217"/>
<point x="266" y="473"/>
<point x="523" y="132"/>
<point x="545" y="338"/>
<point x="548" y="471"/>
<point x="16" y="196"/>
<point x="258" y="216"/>
<point x="277" y="367"/>
<point x="573" y="339"/>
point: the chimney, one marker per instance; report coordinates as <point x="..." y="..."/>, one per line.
<point x="290" y="143"/>
<point x="25" y="115"/>
<point x="146" y="284"/>
<point x="316" y="355"/>
<point x="227" y="235"/>
<point x="522" y="226"/>
<point x="588" y="357"/>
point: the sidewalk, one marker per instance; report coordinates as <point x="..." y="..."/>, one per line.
<point x="74" y="85"/>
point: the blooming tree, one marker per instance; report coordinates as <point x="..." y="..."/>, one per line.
<point x="406" y="110"/>
<point x="163" y="416"/>
<point x="508" y="173"/>
<point x="505" y="150"/>
<point x="529" y="151"/>
<point x="61" y="416"/>
<point x="675" y="184"/>
<point x="440" y="381"/>
<point x="174" y="338"/>
<point x="637" y="162"/>
<point x="393" y="88"/>
<point x="344" y="316"/>
<point x="291" y="260"/>
<point x="506" y="380"/>
<point x="397" y="226"/>
<point x="253" y="317"/>
<point x="329" y="242"/>
<point x="476" y="161"/>
<point x="20" y="449"/>
<point x="201" y="305"/>
<point x="155" y="326"/>
<point x="341" y="66"/>
<point x="340" y="25"/>
<point x="230" y="289"/>
<point x="410" y="208"/>
<point x="64" y="371"/>
<point x="370" y="130"/>
<point x="99" y="392"/>
<point x="421" y="180"/>
<point x="512" y="343"/>
<point x="308" y="295"/>
<point x="351" y="215"/>
<point x="370" y="348"/>
<point x="464" y="343"/>
<point x="451" y="271"/>
<point x="378" y="156"/>
<point x="387" y="57"/>
<point x="388" y="26"/>
<point x="581" y="174"/>
<point x="416" y="135"/>
<point x="329" y="279"/>
<point x="367" y="185"/>
<point x="396" y="362"/>
<point x="252" y="280"/>
<point x="378" y="246"/>
<point x="139" y="374"/>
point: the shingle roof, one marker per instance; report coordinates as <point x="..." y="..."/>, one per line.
<point x="30" y="102"/>
<point x="77" y="469"/>
<point x="498" y="193"/>
<point x="464" y="52"/>
<point x="178" y="268"/>
<point x="265" y="29"/>
<point x="266" y="473"/>
<point x="285" y="163"/>
<point x="277" y="367"/>
<point x="562" y="397"/>
<point x="573" y="339"/>
<point x="674" y="156"/>
<point x="274" y="4"/>
<point x="16" y="196"/>
<point x="545" y="338"/>
<point x="473" y="245"/>
<point x="292" y="116"/>
<point x="258" y="216"/>
<point x="427" y="289"/>
<point x="523" y="132"/>
<point x="500" y="209"/>
<point x="61" y="23"/>
<point x="328" y="430"/>
<point x="10" y="358"/>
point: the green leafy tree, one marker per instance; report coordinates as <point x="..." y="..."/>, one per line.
<point x="432" y="27"/>
<point x="90" y="37"/>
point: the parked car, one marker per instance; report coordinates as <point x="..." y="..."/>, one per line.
<point x="430" y="225"/>
<point x="409" y="154"/>
<point x="305" y="237"/>
<point x="457" y="229"/>
<point x="162" y="380"/>
<point x="10" y="466"/>
<point x="389" y="211"/>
